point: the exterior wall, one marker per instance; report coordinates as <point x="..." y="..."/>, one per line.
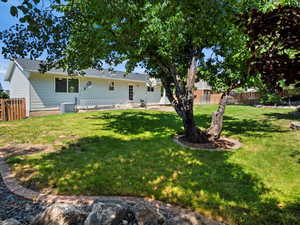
<point x="43" y="93"/>
<point x="19" y="87"/>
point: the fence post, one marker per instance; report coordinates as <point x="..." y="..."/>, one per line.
<point x="4" y="113"/>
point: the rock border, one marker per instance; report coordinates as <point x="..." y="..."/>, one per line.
<point x="13" y="186"/>
<point x="236" y="145"/>
<point x="295" y="125"/>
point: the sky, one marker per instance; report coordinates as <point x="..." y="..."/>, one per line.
<point x="6" y="21"/>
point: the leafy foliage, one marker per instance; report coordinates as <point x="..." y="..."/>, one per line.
<point x="274" y="40"/>
<point x="3" y="94"/>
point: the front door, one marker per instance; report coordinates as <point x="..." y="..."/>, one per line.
<point x="130" y="92"/>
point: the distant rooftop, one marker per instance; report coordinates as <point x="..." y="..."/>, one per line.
<point x="34" y="66"/>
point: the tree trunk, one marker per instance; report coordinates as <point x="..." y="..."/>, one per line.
<point x="215" y="129"/>
<point x="181" y="95"/>
<point x="191" y="132"/>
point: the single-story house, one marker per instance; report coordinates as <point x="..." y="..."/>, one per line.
<point x="94" y="89"/>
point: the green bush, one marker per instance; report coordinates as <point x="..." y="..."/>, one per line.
<point x="270" y="99"/>
<point x="3" y="95"/>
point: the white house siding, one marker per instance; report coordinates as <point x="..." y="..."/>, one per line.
<point x="19" y="87"/>
<point x="99" y="93"/>
<point x="43" y="94"/>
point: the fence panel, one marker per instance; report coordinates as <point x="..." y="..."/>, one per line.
<point x="12" y="109"/>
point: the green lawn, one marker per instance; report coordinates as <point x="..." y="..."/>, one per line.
<point x="131" y="153"/>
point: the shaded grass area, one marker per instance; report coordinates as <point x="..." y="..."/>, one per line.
<point x="131" y="153"/>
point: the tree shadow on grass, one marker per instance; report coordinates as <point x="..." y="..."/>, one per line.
<point x="163" y="124"/>
<point x="156" y="167"/>
<point x="284" y="116"/>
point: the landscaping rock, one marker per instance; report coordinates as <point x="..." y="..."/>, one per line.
<point x="61" y="214"/>
<point x="145" y="215"/>
<point x="110" y="213"/>
<point x="178" y="220"/>
<point x="10" y="222"/>
<point x="295" y="125"/>
<point x="191" y="219"/>
<point x="18" y="208"/>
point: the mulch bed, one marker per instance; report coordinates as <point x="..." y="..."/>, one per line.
<point x="223" y="144"/>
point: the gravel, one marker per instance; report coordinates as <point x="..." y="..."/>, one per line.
<point x="12" y="206"/>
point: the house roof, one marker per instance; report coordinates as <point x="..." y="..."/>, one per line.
<point x="33" y="66"/>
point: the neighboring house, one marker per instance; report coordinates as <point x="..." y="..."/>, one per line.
<point x="94" y="89"/>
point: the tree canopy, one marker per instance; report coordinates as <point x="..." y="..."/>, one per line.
<point x="274" y="40"/>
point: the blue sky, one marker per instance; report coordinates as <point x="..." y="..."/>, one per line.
<point x="6" y="20"/>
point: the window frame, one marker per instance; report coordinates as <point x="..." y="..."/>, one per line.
<point x="150" y="89"/>
<point x="67" y="78"/>
<point x="130" y="99"/>
<point x="111" y="86"/>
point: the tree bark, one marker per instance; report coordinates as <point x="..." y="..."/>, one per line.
<point x="215" y="129"/>
<point x="181" y="96"/>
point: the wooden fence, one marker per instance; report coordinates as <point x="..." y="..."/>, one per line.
<point x="209" y="97"/>
<point x="12" y="109"/>
<point x="248" y="98"/>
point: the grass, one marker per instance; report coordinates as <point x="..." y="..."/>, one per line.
<point x="131" y="153"/>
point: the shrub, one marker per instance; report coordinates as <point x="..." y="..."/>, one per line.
<point x="270" y="99"/>
<point x="3" y="95"/>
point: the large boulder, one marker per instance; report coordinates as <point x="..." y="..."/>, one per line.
<point x="147" y="215"/>
<point x="110" y="213"/>
<point x="10" y="222"/>
<point x="61" y="214"/>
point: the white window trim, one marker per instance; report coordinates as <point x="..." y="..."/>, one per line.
<point x="67" y="92"/>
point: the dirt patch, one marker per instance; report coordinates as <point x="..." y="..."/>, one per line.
<point x="24" y="149"/>
<point x="7" y="125"/>
<point x="161" y="108"/>
<point x="44" y="113"/>
<point x="223" y="144"/>
<point x="73" y="137"/>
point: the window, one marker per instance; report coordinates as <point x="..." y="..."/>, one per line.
<point x="60" y="85"/>
<point x="64" y="85"/>
<point x="111" y="86"/>
<point x="150" y="89"/>
<point x="73" y="85"/>
<point x="130" y="92"/>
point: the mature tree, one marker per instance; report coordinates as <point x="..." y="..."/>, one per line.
<point x="274" y="40"/>
<point x="167" y="38"/>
